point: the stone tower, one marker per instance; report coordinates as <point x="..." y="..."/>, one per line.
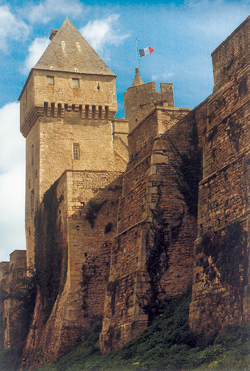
<point x="67" y="105"/>
<point x="140" y="99"/>
<point x="75" y="154"/>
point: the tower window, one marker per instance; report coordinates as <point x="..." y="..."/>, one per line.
<point x="76" y="151"/>
<point x="75" y="83"/>
<point x="50" y="80"/>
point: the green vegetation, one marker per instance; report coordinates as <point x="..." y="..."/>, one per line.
<point x="162" y="232"/>
<point x="188" y="171"/>
<point x="10" y="359"/>
<point x="168" y="344"/>
<point x="228" y="248"/>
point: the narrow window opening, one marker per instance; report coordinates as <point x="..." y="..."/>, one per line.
<point x="59" y="112"/>
<point x="52" y="109"/>
<point x="73" y="107"/>
<point x="100" y="112"/>
<point x="66" y="106"/>
<point x="106" y="112"/>
<point x="75" y="83"/>
<point x="85" y="254"/>
<point x="86" y="112"/>
<point x="50" y="80"/>
<point x="76" y="151"/>
<point x="93" y="112"/>
<point x="46" y="108"/>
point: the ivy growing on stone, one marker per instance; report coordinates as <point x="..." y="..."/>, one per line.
<point x="188" y="171"/>
<point x="161" y="233"/>
<point x="228" y="249"/>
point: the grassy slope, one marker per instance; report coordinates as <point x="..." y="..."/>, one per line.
<point x="167" y="344"/>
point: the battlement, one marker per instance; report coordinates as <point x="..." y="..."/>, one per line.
<point x="53" y="94"/>
<point x="140" y="99"/>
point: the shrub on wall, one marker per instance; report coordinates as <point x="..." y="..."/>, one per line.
<point x="162" y="232"/>
<point x="228" y="249"/>
<point x="188" y="171"/>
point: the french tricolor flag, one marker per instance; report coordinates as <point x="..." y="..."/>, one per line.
<point x="145" y="51"/>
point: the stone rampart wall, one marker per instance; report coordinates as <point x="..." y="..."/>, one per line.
<point x="221" y="265"/>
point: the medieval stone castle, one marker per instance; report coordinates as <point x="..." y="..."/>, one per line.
<point x="98" y="189"/>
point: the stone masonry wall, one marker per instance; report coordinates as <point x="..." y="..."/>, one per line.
<point x="49" y="151"/>
<point x="10" y="274"/>
<point x="221" y="272"/>
<point x="140" y="100"/>
<point x="86" y="215"/>
<point x="150" y="167"/>
<point x="94" y="98"/>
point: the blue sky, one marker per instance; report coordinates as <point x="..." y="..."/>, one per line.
<point x="182" y="33"/>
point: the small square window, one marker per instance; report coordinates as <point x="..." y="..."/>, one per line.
<point x="75" y="83"/>
<point x="76" y="151"/>
<point x="50" y="80"/>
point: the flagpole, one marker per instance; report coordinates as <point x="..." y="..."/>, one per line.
<point x="137" y="53"/>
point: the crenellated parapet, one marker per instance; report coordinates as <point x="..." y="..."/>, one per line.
<point x="84" y="114"/>
<point x="141" y="98"/>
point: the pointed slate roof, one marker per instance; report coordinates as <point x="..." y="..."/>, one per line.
<point x="68" y="51"/>
<point x="137" y="79"/>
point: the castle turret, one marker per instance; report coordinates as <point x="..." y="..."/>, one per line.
<point x="140" y="99"/>
<point x="67" y="105"/>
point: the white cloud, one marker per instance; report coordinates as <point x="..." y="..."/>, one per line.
<point x="48" y="9"/>
<point x="11" y="28"/>
<point x="36" y="50"/>
<point x="101" y="32"/>
<point x="220" y="20"/>
<point x="12" y="181"/>
<point x="165" y="76"/>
